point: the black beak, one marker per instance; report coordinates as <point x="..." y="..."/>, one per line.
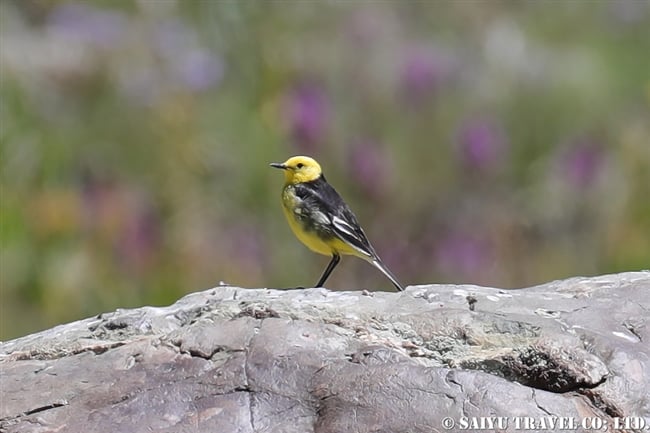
<point x="278" y="165"/>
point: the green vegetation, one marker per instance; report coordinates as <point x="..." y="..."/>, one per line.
<point x="491" y="142"/>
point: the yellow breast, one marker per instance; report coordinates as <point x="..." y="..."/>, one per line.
<point x="309" y="238"/>
<point x="292" y="211"/>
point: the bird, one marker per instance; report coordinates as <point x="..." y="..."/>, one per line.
<point x="320" y="218"/>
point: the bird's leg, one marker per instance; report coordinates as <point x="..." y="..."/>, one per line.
<point x="328" y="270"/>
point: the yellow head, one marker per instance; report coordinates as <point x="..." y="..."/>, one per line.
<point x="299" y="169"/>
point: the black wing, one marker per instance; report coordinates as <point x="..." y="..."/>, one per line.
<point x="326" y="212"/>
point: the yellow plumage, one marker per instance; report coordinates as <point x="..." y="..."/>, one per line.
<point x="320" y="219"/>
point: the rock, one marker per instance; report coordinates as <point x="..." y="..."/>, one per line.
<point x="568" y="353"/>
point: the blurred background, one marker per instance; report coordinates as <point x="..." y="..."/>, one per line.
<point x="501" y="143"/>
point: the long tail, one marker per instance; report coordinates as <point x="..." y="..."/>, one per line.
<point x="379" y="265"/>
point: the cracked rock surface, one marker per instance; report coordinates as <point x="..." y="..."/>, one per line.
<point x="257" y="360"/>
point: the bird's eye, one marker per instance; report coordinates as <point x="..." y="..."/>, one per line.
<point x="300" y="165"/>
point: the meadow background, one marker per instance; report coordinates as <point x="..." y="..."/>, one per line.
<point x="501" y="143"/>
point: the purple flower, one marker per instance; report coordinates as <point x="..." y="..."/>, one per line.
<point x="121" y="216"/>
<point x="192" y="66"/>
<point x="463" y="254"/>
<point x="246" y="245"/>
<point x="582" y="162"/>
<point x="308" y="115"/>
<point x="369" y="167"/>
<point x="481" y="144"/>
<point x="140" y="237"/>
<point x="199" y="69"/>
<point x="87" y="23"/>
<point x="423" y="73"/>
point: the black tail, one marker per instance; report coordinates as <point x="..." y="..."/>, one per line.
<point x="379" y="265"/>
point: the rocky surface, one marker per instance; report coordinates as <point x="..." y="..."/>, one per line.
<point x="573" y="352"/>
